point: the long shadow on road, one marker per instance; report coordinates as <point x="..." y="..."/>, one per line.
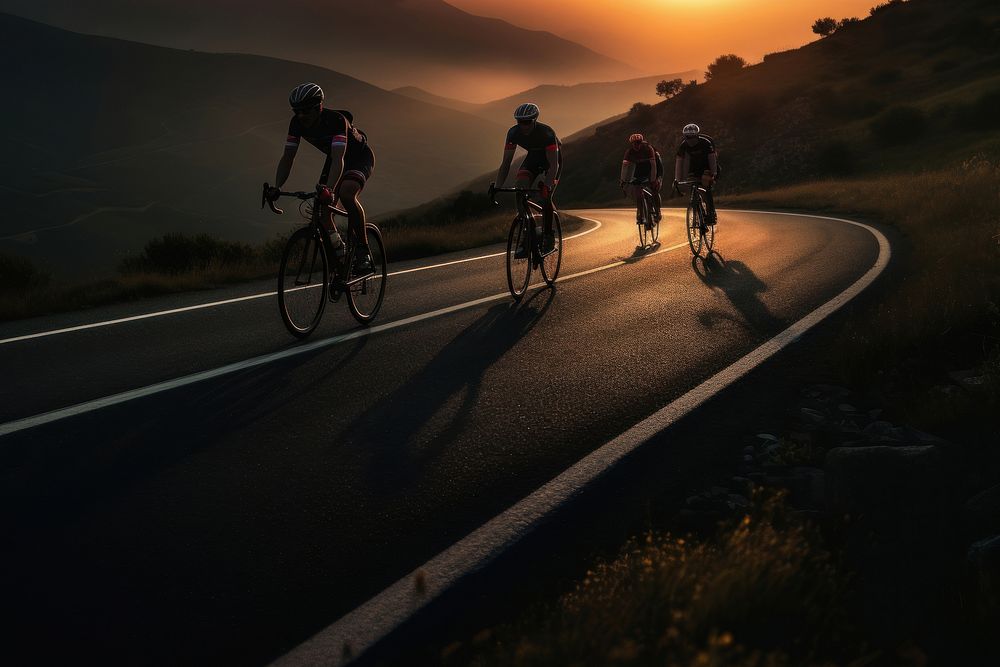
<point x="741" y="286"/>
<point x="407" y="429"/>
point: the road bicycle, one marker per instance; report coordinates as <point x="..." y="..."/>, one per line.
<point x="645" y="220"/>
<point x="306" y="280"/>
<point x="700" y="234"/>
<point x="525" y="235"/>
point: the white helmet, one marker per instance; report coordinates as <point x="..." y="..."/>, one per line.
<point x="305" y="95"/>
<point x="691" y="130"/>
<point x="527" y="111"/>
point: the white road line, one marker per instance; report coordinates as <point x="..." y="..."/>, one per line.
<point x="213" y="304"/>
<point x="115" y="399"/>
<point x="360" y="629"/>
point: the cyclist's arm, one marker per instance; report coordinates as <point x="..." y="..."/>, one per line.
<point x="285" y="163"/>
<point x="679" y="168"/>
<point x="627" y="170"/>
<point x="552" y="155"/>
<point x="337" y="149"/>
<point x="508" y="156"/>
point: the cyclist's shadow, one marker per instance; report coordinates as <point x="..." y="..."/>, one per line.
<point x="742" y="287"/>
<point x="409" y="427"/>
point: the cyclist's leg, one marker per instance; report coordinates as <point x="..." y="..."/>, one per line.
<point x="549" y="207"/>
<point x="709" y="199"/>
<point x="356" y="174"/>
<point x="656" y="186"/>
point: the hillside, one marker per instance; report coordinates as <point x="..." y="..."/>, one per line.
<point x="111" y="143"/>
<point x="915" y="86"/>
<point x="391" y="43"/>
<point x="566" y="108"/>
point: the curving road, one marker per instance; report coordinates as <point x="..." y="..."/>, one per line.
<point x="155" y="515"/>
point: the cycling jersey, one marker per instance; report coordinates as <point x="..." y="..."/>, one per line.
<point x="640" y="157"/>
<point x="540" y="139"/>
<point x="335" y="129"/>
<point x="332" y="129"/>
<point x="698" y="153"/>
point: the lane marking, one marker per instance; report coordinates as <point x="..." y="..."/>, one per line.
<point x="224" y="302"/>
<point x="363" y="627"/>
<point x="115" y="399"/>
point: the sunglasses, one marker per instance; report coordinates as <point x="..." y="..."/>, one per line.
<point x="304" y="112"/>
<point x="525" y="122"/>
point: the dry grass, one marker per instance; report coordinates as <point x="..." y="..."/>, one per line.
<point x="762" y="593"/>
<point x="950" y="258"/>
<point x="221" y="263"/>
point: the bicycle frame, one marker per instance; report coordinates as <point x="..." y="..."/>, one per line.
<point x="527" y="210"/>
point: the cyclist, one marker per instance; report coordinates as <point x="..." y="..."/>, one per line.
<point x="696" y="156"/>
<point x="643" y="163"/>
<point x="349" y="162"/>
<point x="544" y="159"/>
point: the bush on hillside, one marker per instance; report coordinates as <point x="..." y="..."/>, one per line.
<point x="463" y="206"/>
<point x="898" y="125"/>
<point x="835" y="158"/>
<point x="667" y="89"/>
<point x="882" y="6"/>
<point x="825" y="27"/>
<point x="18" y="273"/>
<point x="725" y="66"/>
<point x="178" y="253"/>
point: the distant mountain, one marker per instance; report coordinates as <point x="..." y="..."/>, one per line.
<point x="105" y="144"/>
<point x="391" y="43"/>
<point x="566" y="108"/>
<point x="916" y="85"/>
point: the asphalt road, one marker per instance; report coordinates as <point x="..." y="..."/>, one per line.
<point x="230" y="519"/>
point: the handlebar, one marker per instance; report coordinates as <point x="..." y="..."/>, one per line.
<point x="492" y="192"/>
<point x="264" y="199"/>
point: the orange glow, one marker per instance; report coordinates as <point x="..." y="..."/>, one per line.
<point x="672" y="35"/>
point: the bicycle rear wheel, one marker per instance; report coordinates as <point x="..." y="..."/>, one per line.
<point x="694" y="226"/>
<point x="553" y="260"/>
<point x="364" y="298"/>
<point x="642" y="219"/>
<point x="302" y="280"/>
<point x="518" y="268"/>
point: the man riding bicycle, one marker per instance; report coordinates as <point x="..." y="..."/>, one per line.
<point x="349" y="163"/>
<point x="696" y="157"/>
<point x="642" y="162"/>
<point x="544" y="160"/>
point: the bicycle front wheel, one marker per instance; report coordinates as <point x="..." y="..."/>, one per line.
<point x="302" y="279"/>
<point x="364" y="297"/>
<point x="551" y="261"/>
<point x="695" y="224"/>
<point x="518" y="258"/>
<point x="709" y="234"/>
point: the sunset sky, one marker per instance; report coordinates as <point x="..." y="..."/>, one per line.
<point x="660" y="36"/>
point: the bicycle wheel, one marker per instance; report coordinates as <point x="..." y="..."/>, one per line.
<point x="694" y="227"/>
<point x="364" y="298"/>
<point x="302" y="281"/>
<point x="553" y="260"/>
<point x="709" y="234"/>
<point x="654" y="232"/>
<point x="642" y="219"/>
<point x="518" y="269"/>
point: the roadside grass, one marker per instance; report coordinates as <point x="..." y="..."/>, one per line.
<point x="734" y="599"/>
<point x="178" y="263"/>
<point x="943" y="310"/>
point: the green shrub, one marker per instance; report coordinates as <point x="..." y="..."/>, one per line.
<point x="898" y="125"/>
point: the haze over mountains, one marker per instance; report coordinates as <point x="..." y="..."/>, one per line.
<point x="107" y="144"/>
<point x="390" y="43"/>
<point x="566" y="108"/>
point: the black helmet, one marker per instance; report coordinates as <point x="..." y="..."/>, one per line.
<point x="305" y="95"/>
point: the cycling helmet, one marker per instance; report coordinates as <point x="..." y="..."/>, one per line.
<point x="691" y="130"/>
<point x="636" y="138"/>
<point x="305" y="95"/>
<point x="526" y="111"/>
